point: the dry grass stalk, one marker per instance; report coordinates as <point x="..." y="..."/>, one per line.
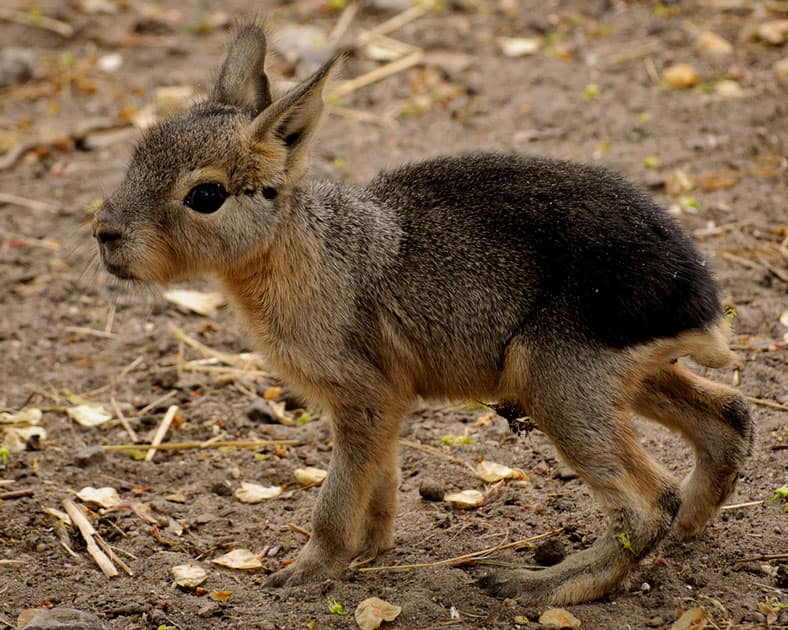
<point x="37" y="21"/>
<point x="763" y="402"/>
<point x="183" y="446"/>
<point x="737" y="506"/>
<point x="91" y="536"/>
<point x="431" y="450"/>
<point x="123" y="421"/>
<point x="377" y="74"/>
<point x="161" y="431"/>
<point x="475" y="555"/>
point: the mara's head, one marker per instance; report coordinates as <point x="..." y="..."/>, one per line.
<point x="208" y="189"/>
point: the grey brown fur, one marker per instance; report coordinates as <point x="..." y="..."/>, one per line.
<point x="553" y="287"/>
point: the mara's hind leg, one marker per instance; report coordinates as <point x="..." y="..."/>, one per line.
<point x="716" y="420"/>
<point x="580" y="404"/>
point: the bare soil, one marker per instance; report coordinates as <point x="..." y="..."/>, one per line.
<point x="467" y="95"/>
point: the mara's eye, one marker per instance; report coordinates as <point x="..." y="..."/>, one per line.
<point x="206" y="198"/>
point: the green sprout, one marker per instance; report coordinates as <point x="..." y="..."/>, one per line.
<point x="591" y="91"/>
<point x="781" y="494"/>
<point x="626" y="543"/>
<point x="335" y="608"/>
<point x="456" y="440"/>
<point x="652" y="161"/>
<point x="4" y="453"/>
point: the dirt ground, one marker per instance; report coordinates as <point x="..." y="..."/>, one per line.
<point x="594" y="91"/>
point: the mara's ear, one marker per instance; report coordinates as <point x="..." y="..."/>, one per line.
<point x="242" y="81"/>
<point x="289" y="123"/>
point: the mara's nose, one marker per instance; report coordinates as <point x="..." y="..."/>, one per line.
<point x="105" y="234"/>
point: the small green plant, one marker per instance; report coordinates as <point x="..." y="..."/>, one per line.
<point x="781" y="494"/>
<point x="626" y="543"/>
<point x="335" y="608"/>
<point x="652" y="161"/>
<point x="456" y="440"/>
<point x="4" y="453"/>
<point x="591" y="91"/>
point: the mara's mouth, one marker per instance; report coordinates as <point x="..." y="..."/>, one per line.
<point x="120" y="271"/>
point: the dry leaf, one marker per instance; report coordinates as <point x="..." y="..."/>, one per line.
<point x="220" y="596"/>
<point x="681" y="76"/>
<point x="560" y="618"/>
<point x="519" y="46"/>
<point x="692" y="619"/>
<point x="310" y="476"/>
<point x="373" y="611"/>
<point x="25" y="417"/>
<point x="465" y="499"/>
<point x="189" y="575"/>
<point x="196" y="301"/>
<point x="713" y="45"/>
<point x="784" y="318"/>
<point x="679" y="183"/>
<point x="61" y="516"/>
<point x="774" y="31"/>
<point x="239" y="559"/>
<point x="254" y="493"/>
<point x="89" y="415"/>
<point x="103" y="497"/>
<point x="492" y="472"/>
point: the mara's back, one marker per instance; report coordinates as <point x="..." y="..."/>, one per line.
<point x="535" y="243"/>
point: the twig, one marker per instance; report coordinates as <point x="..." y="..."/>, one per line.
<point x="135" y="363"/>
<point x="16" y="494"/>
<point x="122" y="419"/>
<point x="396" y="22"/>
<point x="229" y="359"/>
<point x="765" y="556"/>
<point x="377" y="74"/>
<point x="157" y="402"/>
<point x="767" y="403"/>
<point x="113" y="556"/>
<point x="343" y="23"/>
<point x="183" y="446"/>
<point x="38" y="21"/>
<point x="90" y="535"/>
<point x="161" y="431"/>
<point x="437" y="453"/>
<point x="110" y="318"/>
<point x="32" y="204"/>
<point x="45" y="243"/>
<point x="468" y="556"/>
<point x="190" y="366"/>
<point x="736" y="506"/>
<point x="299" y="530"/>
<point x="83" y="330"/>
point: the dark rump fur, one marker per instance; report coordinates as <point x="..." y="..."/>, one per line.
<point x="591" y="248"/>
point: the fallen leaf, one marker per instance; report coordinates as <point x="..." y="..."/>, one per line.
<point x="465" y="500"/>
<point x="492" y="472"/>
<point x="784" y="318"/>
<point x="560" y="618"/>
<point x="679" y="182"/>
<point x="310" y="476"/>
<point x="774" y="31"/>
<point x="103" y="497"/>
<point x="25" y="416"/>
<point x="691" y="620"/>
<point x="712" y="45"/>
<point x="89" y="415"/>
<point x="238" y="559"/>
<point x="681" y="76"/>
<point x="373" y="611"/>
<point x="61" y="516"/>
<point x="189" y="575"/>
<point x="519" y="46"/>
<point x="718" y="180"/>
<point x="198" y="302"/>
<point x="254" y="493"/>
<point x="220" y="596"/>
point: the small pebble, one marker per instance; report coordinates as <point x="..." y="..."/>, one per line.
<point x="88" y="456"/>
<point x="431" y="490"/>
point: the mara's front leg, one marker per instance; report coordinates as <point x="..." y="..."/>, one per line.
<point x="364" y="444"/>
